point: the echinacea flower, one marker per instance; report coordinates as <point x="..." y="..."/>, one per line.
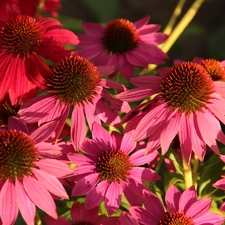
<point x="79" y="215"/>
<point x="75" y="84"/>
<point x="29" y="173"/>
<point x="23" y="43"/>
<point x="123" y="44"/>
<point x="181" y="208"/>
<point x="109" y="167"/>
<point x="186" y="102"/>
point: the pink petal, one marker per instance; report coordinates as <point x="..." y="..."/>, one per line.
<point x="172" y="198"/>
<point x="93" y="29"/>
<point x="125" y="218"/>
<point x="220" y="88"/>
<point x="91" y="51"/>
<point x="26" y="206"/>
<point x="144" y="174"/>
<point x="106" y="70"/>
<point x="96" y="195"/>
<point x="55" y="167"/>
<point x="140" y="158"/>
<point x="112" y="84"/>
<point x="91" y="148"/>
<point x="40" y="196"/>
<point x="79" y="159"/>
<point x="220" y="184"/>
<point x="51" y="183"/>
<point x="78" y="128"/>
<point x="8" y="204"/>
<point x="170" y="130"/>
<point x="127" y="144"/>
<point x="50" y="23"/>
<point x="209" y="218"/>
<point x="149" y="82"/>
<point x="147" y="29"/>
<point x="59" y="221"/>
<point x="113" y="197"/>
<point x="48" y="149"/>
<point x="140" y="23"/>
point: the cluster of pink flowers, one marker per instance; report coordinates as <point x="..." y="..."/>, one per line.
<point x="71" y="141"/>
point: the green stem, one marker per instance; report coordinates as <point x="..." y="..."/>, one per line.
<point x="195" y="171"/>
<point x="187" y="173"/>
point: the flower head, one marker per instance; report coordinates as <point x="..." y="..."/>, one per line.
<point x="185" y="97"/>
<point x="123" y="44"/>
<point x="75" y="83"/>
<point x="27" y="175"/>
<point x="181" y="208"/>
<point x="110" y="167"/>
<point x="23" y="41"/>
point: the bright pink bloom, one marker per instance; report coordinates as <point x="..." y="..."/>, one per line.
<point x="186" y="102"/>
<point x="109" y="167"/>
<point x="76" y="84"/>
<point x="79" y="215"/>
<point x="123" y="44"/>
<point x="29" y="173"/>
<point x="180" y="209"/>
<point x="23" y="41"/>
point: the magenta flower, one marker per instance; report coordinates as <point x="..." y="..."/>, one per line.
<point x="180" y="209"/>
<point x="185" y="97"/>
<point x="123" y="44"/>
<point x="29" y="173"/>
<point x="23" y="43"/>
<point x="109" y="167"/>
<point x="79" y="215"/>
<point x="76" y="84"/>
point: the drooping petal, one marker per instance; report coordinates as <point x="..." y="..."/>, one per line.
<point x="172" y="198"/>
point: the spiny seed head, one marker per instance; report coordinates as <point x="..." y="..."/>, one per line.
<point x="187" y="87"/>
<point x="120" y="36"/>
<point x="175" y="218"/>
<point x="17" y="155"/>
<point x="21" y="36"/>
<point x="74" y="80"/>
<point x="214" y="68"/>
<point x="113" y="165"/>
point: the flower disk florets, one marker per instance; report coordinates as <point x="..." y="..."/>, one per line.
<point x="17" y="155"/>
<point x="74" y="80"/>
<point x="21" y="36"/>
<point x="214" y="68"/>
<point x="113" y="165"/>
<point x="120" y="36"/>
<point x="187" y="87"/>
<point x="175" y="218"/>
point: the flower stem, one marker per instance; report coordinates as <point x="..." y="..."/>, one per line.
<point x="187" y="173"/>
<point x="177" y="11"/>
<point x="195" y="171"/>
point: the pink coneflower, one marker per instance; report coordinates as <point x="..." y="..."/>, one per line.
<point x="123" y="44"/>
<point x="180" y="209"/>
<point x="28" y="176"/>
<point x="80" y="216"/>
<point x="23" y="41"/>
<point x="187" y="102"/>
<point x="75" y="84"/>
<point x="109" y="167"/>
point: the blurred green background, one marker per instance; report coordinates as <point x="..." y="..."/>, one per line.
<point x="204" y="36"/>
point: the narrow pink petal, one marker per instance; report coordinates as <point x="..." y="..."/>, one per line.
<point x="8" y="205"/>
<point x="220" y="184"/>
<point x="86" y="41"/>
<point x="117" y="60"/>
<point x="140" y="158"/>
<point x="59" y="221"/>
<point x="78" y="128"/>
<point x="84" y="185"/>
<point x="113" y="197"/>
<point x="172" y="198"/>
<point x="112" y="84"/>
<point x="51" y="183"/>
<point x="151" y="122"/>
<point x="149" y="81"/>
<point x="101" y="136"/>
<point x="102" y="58"/>
<point x="80" y="213"/>
<point x="143" y="216"/>
<point x="26" y="206"/>
<point x="140" y="23"/>
<point x="50" y="23"/>
<point x="125" y="218"/>
<point x="106" y="70"/>
<point x="93" y="29"/>
<point x="48" y="149"/>
<point x="62" y="36"/>
<point x="147" y="29"/>
<point x="90" y="147"/>
<point x="154" y="38"/>
<point x="199" y="208"/>
<point x="211" y="130"/>
<point x="127" y="144"/>
<point x="40" y="196"/>
<point x="79" y="159"/>
<point x="91" y="51"/>
<point x="220" y="88"/>
<point x="144" y="174"/>
<point x="188" y="197"/>
<point x="43" y="132"/>
<point x="55" y="167"/>
<point x="153" y="205"/>
<point x="135" y="94"/>
<point x="137" y="59"/>
<point x="85" y="170"/>
<point x="96" y="195"/>
<point x="209" y="218"/>
<point x="185" y="136"/>
<point x="14" y="123"/>
<point x="170" y="130"/>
